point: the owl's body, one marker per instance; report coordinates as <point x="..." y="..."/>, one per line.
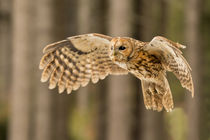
<point x="143" y="65"/>
<point x="73" y="62"/>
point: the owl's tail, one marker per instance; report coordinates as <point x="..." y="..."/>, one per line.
<point x="157" y="95"/>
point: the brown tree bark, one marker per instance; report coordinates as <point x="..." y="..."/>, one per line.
<point x="21" y="94"/>
<point x="43" y="99"/>
<point x="121" y="89"/>
<point x="192" y="13"/>
<point x="5" y="63"/>
<point x="5" y="49"/>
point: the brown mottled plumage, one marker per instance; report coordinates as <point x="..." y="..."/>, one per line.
<point x="71" y="63"/>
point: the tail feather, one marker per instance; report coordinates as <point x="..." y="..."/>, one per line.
<point x="157" y="95"/>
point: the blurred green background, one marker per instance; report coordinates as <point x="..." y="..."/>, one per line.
<point x="112" y="109"/>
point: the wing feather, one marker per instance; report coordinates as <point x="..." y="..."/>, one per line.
<point x="172" y="59"/>
<point x="73" y="62"/>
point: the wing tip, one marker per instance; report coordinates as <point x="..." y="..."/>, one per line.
<point x="52" y="86"/>
<point x="61" y="89"/>
<point x="43" y="79"/>
<point x="69" y="90"/>
<point x="54" y="45"/>
<point x="41" y="66"/>
<point x="109" y="38"/>
<point x="192" y="92"/>
<point x="169" y="110"/>
<point x="182" y="46"/>
<point x="175" y="44"/>
<point x="190" y="89"/>
<point x="46" y="48"/>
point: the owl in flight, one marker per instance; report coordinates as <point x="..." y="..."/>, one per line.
<point x="73" y="62"/>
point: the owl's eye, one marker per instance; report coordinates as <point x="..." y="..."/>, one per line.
<point x="122" y="48"/>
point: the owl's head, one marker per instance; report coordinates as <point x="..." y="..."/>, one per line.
<point x="121" y="49"/>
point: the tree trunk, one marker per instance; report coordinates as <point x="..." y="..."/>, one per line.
<point x="5" y="49"/>
<point x="192" y="12"/>
<point x="5" y="63"/>
<point x="43" y="103"/>
<point x="121" y="91"/>
<point x="21" y="96"/>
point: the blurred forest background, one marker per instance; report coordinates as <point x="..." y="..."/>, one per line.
<point x="112" y="109"/>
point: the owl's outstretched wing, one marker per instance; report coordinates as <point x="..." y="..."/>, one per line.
<point x="71" y="63"/>
<point x="172" y="59"/>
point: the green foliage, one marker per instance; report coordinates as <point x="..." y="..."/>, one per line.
<point x="177" y="124"/>
<point x="175" y="26"/>
<point x="82" y="123"/>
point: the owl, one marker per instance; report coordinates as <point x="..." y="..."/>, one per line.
<point x="73" y="62"/>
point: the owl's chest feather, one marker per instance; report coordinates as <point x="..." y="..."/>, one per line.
<point x="144" y="65"/>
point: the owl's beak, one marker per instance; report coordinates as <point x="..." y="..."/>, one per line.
<point x="112" y="55"/>
<point x="115" y="53"/>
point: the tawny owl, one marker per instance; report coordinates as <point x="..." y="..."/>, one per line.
<point x="73" y="62"/>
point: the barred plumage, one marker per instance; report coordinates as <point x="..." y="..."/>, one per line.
<point x="70" y="66"/>
<point x="74" y="62"/>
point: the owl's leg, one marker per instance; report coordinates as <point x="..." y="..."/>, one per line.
<point x="157" y="95"/>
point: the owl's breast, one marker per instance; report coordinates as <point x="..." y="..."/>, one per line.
<point x="145" y="66"/>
